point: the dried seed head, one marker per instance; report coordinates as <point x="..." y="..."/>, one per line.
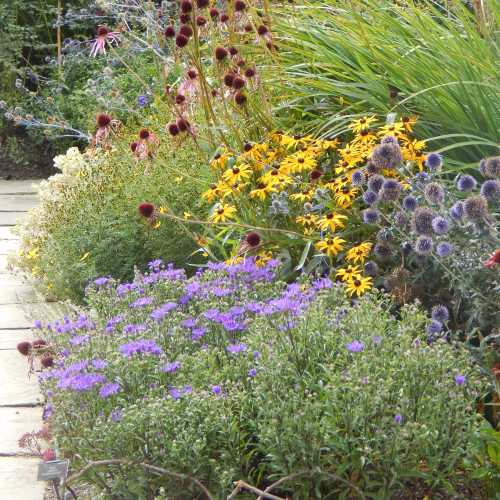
<point x="240" y="98"/>
<point x="144" y="134"/>
<point x="238" y="82"/>
<point x="186" y="6"/>
<point x="253" y="239"/>
<point x="186" y="30"/>
<point x="262" y="30"/>
<point x="180" y="98"/>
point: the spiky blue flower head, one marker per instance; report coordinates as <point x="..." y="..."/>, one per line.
<point x="476" y="208"/>
<point x="375" y="182"/>
<point x="444" y="249"/>
<point x="434" y="162"/>
<point x="440" y="313"/>
<point x="423" y="245"/>
<point x="440" y="225"/>
<point x="371" y="268"/>
<point x="410" y="203"/>
<point x="384" y="234"/>
<point x="370" y="197"/>
<point x="422" y="220"/>
<point x="492" y="167"/>
<point x="434" y="193"/>
<point x="491" y="189"/>
<point x="406" y="247"/>
<point x="358" y="178"/>
<point x="422" y="177"/>
<point x="142" y="101"/>
<point x="466" y="183"/>
<point x="457" y="210"/>
<point x="387" y="155"/>
<point x="434" y="327"/>
<point x="389" y="139"/>
<point x="401" y="219"/>
<point x="370" y="216"/>
<point x="390" y="191"/>
<point x="382" y="250"/>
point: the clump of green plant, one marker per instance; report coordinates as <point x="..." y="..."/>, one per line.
<point x="232" y="375"/>
<point x="402" y="57"/>
<point x="88" y="223"/>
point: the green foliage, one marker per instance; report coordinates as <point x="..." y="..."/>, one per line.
<point x="388" y="56"/>
<point x="311" y="403"/>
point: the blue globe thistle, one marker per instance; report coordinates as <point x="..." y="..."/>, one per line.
<point x="370" y="197"/>
<point x="423" y="245"/>
<point x="422" y="177"/>
<point x="370" y="216"/>
<point x="440" y="313"/>
<point x="384" y="234"/>
<point x="491" y="189"/>
<point x="382" y="250"/>
<point x="434" y="327"/>
<point x="440" y="225"/>
<point x="371" y="268"/>
<point x="389" y="139"/>
<point x="406" y="248"/>
<point x="358" y="178"/>
<point x="434" y="193"/>
<point x="390" y="190"/>
<point x="457" y="210"/>
<point x="375" y="182"/>
<point x="142" y="101"/>
<point x="401" y="219"/>
<point x="387" y="155"/>
<point x="371" y="168"/>
<point x="476" y="208"/>
<point x="444" y="249"/>
<point x="492" y="167"/>
<point x="434" y="162"/>
<point x="410" y="203"/>
<point x="466" y="183"/>
<point x="422" y="220"/>
<point x="482" y="167"/>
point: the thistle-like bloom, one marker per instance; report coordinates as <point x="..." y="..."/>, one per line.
<point x="466" y="183"/>
<point x="355" y="346"/>
<point x="491" y="167"/>
<point x="444" y="249"/>
<point x="491" y="190"/>
<point x="387" y="155"/>
<point x="440" y="313"/>
<point x="434" y="193"/>
<point x="423" y="245"/>
<point x="410" y="203"/>
<point x="422" y="220"/>
<point x="330" y="246"/>
<point x="457" y="210"/>
<point x="98" y="44"/>
<point x="476" y="208"/>
<point x="370" y="216"/>
<point x="375" y="182"/>
<point x="440" y="225"/>
<point x="370" y="197"/>
<point x="434" y="161"/>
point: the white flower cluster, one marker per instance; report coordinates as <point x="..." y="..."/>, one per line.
<point x="71" y="162"/>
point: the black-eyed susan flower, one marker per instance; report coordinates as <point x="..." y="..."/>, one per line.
<point x="396" y="129"/>
<point x="213" y="193"/>
<point x="332" y="222"/>
<point x="359" y="252"/>
<point x="307" y="220"/>
<point x="408" y="122"/>
<point x="358" y="286"/>
<point x="261" y="191"/>
<point x="345" y="195"/>
<point x="301" y="161"/>
<point x="222" y="212"/>
<point x="237" y="173"/>
<point x="365" y="137"/>
<point x="362" y="124"/>
<point x="302" y="196"/>
<point x="330" y="246"/>
<point x="348" y="273"/>
<point x="219" y="161"/>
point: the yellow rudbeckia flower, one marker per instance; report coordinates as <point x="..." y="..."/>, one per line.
<point x="222" y="212"/>
<point x="359" y="252"/>
<point x="332" y="222"/>
<point x="358" y="286"/>
<point x="348" y="273"/>
<point x="331" y="246"/>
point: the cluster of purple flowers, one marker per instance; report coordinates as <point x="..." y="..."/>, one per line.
<point x="142" y="346"/>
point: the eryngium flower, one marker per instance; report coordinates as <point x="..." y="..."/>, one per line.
<point x="387" y="156"/>
<point x="400" y="219"/>
<point x="491" y="189"/>
<point x="375" y="182"/>
<point x="434" y="161"/>
<point x="422" y="220"/>
<point x="444" y="249"/>
<point x="389" y="139"/>
<point x="382" y="250"/>
<point x="423" y="245"/>
<point x="434" y="327"/>
<point x="146" y="209"/>
<point x="466" y="183"/>
<point x="440" y="225"/>
<point x="440" y="313"/>
<point x="253" y="239"/>
<point x="384" y="234"/>
<point x="476" y="208"/>
<point x="410" y="203"/>
<point x="492" y="167"/>
<point x="370" y="216"/>
<point x="371" y="268"/>
<point x="457" y="210"/>
<point x="370" y="197"/>
<point x="357" y="178"/>
<point x="434" y="193"/>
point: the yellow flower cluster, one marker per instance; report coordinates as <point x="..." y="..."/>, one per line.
<point x="303" y="184"/>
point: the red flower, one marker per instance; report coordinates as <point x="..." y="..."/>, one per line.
<point x="170" y="32"/>
<point x="24" y="347"/>
<point x="192" y="74"/>
<point x="38" y="343"/>
<point x="224" y="18"/>
<point x="214" y="13"/>
<point x="47" y="361"/>
<point x="146" y="209"/>
<point x="102" y="31"/>
<point x="103" y="120"/>
<point x="201" y="21"/>
<point x="181" y="40"/>
<point x="180" y="98"/>
<point x="133" y="146"/>
<point x="182" y="124"/>
<point x="238" y="82"/>
<point x="493" y="260"/>
<point x="240" y="98"/>
<point x="315" y="175"/>
<point x="229" y="79"/>
<point x="233" y="51"/>
<point x="186" y="30"/>
<point x="184" y="18"/>
<point x="220" y="53"/>
<point x="48" y="455"/>
<point x="144" y="133"/>
<point x="239" y="6"/>
<point x="253" y="239"/>
<point x="186" y="6"/>
<point x="248" y="28"/>
<point x="173" y="129"/>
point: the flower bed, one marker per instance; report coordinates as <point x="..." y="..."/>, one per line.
<point x="234" y="375"/>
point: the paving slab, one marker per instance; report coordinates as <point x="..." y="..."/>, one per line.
<point x="15" y="291"/>
<point x="16" y="422"/>
<point x="12" y="317"/>
<point x="6" y="232"/>
<point x="12" y="218"/>
<point x="18" y="479"/>
<point x="17" y="203"/>
<point x="28" y="186"/>
<point x="8" y="246"/>
<point x="10" y="338"/>
<point x="16" y="389"/>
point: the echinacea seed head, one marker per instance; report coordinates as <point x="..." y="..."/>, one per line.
<point x="144" y="133"/>
<point x="146" y="209"/>
<point x="103" y="120"/>
<point x="220" y="53"/>
<point x="169" y="32"/>
<point x="24" y="347"/>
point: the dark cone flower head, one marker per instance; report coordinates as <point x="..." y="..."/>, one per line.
<point x="47" y="361"/>
<point x="240" y="98"/>
<point x="38" y="343"/>
<point x="214" y="13"/>
<point x="192" y="74"/>
<point x="103" y="120"/>
<point x="220" y="53"/>
<point x="146" y="209"/>
<point x="186" y="30"/>
<point x="133" y="146"/>
<point x="182" y="124"/>
<point x="102" y="31"/>
<point x="238" y="82"/>
<point x="262" y="30"/>
<point x="169" y="32"/>
<point x="173" y="129"/>
<point x="186" y="6"/>
<point x="249" y="72"/>
<point x="239" y="6"/>
<point x="253" y="239"/>
<point x="144" y="133"/>
<point x="180" y="98"/>
<point x="201" y="21"/>
<point x="202" y="3"/>
<point x="24" y="347"/>
<point x="229" y="79"/>
<point x="224" y="18"/>
<point x="181" y="40"/>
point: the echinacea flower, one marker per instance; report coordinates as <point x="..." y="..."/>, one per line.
<point x="146" y="209"/>
<point x="98" y="44"/>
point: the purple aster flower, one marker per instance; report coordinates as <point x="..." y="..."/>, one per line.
<point x="142" y="346"/>
<point x="252" y="372"/>
<point x="188" y="323"/>
<point x="175" y="393"/>
<point x="80" y="382"/>
<point x="198" y="333"/>
<point x="188" y="389"/>
<point x="216" y="389"/>
<point x="38" y="324"/>
<point x="236" y="348"/>
<point x="131" y="328"/>
<point x="101" y="281"/>
<point x="99" y="364"/>
<point x="116" y="415"/>
<point x="48" y="411"/>
<point x="460" y="379"/>
<point x="377" y="339"/>
<point x="162" y="311"/>
<point x="141" y="302"/>
<point x="79" y="339"/>
<point x="355" y="346"/>
<point x="142" y="101"/>
<point x="155" y="265"/>
<point x="211" y="314"/>
<point x="398" y="419"/>
<point x="109" y="389"/>
<point x="256" y="355"/>
<point x="171" y="367"/>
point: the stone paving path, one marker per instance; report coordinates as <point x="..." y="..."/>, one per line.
<point x="20" y="409"/>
